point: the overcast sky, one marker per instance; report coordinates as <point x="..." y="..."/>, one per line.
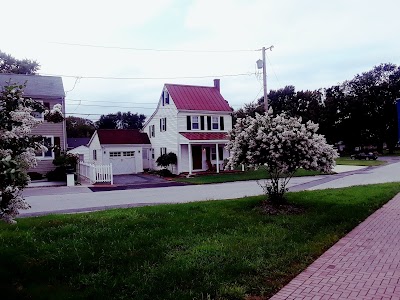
<point x="316" y="44"/>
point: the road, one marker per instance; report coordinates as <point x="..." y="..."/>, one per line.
<point x="79" y="199"/>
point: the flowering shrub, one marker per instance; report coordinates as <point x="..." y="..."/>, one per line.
<point x="283" y="144"/>
<point x="17" y="147"/>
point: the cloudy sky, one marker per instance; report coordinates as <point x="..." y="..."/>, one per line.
<point x="116" y="55"/>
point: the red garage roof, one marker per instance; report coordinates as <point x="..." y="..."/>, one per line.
<point x="205" y="135"/>
<point x="122" y="136"/>
<point x="190" y="97"/>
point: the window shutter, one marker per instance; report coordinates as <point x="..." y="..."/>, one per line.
<point x="221" y="123"/>
<point x="165" y="123"/>
<point x="57" y="146"/>
<point x="162" y="97"/>
<point x="221" y="153"/>
<point x="208" y="123"/>
<point x="160" y="125"/>
<point x="189" y="123"/>
<point x="202" y="122"/>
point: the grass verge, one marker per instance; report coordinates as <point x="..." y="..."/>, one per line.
<point x="358" y="162"/>
<point x="208" y="250"/>
<point x="261" y="173"/>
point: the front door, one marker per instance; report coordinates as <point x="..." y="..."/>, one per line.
<point x="197" y="157"/>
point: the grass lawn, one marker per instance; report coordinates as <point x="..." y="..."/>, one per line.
<point x="240" y="176"/>
<point x="358" y="162"/>
<point x="208" y="250"/>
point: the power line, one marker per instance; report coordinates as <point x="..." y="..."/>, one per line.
<point x="155" y="49"/>
<point x="95" y="105"/>
<point x="147" y="78"/>
<point x="126" y="102"/>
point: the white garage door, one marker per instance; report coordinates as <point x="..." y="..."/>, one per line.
<point x="123" y="162"/>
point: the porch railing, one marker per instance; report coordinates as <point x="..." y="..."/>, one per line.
<point x="96" y="173"/>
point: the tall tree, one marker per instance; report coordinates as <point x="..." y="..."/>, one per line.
<point x="9" y="64"/>
<point x="120" y="120"/>
<point x="79" y="127"/>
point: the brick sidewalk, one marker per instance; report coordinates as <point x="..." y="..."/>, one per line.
<point x="365" y="264"/>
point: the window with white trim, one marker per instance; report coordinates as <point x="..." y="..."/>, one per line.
<point x="163" y="150"/>
<point x="152" y="153"/>
<point x="48" y="142"/>
<point x="40" y="115"/>
<point x="152" y="131"/>
<point x="215" y="123"/>
<point x="94" y="154"/>
<point x="166" y="97"/>
<point x="115" y="153"/>
<point x="163" y="124"/>
<point x="195" y="123"/>
<point x="128" y="153"/>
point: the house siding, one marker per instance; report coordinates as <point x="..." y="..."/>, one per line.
<point x="168" y="138"/>
<point x="49" y="129"/>
<point x="94" y="144"/>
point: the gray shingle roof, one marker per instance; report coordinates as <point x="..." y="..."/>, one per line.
<point x="37" y="86"/>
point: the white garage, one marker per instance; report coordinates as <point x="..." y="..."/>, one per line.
<point x="123" y="148"/>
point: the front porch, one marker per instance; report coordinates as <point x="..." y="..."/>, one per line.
<point x="200" y="157"/>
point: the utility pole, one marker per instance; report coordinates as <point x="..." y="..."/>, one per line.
<point x="265" y="80"/>
<point x="264" y="75"/>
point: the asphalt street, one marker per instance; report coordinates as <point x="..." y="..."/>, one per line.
<point x="48" y="200"/>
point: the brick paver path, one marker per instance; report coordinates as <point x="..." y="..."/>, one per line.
<point x="365" y="264"/>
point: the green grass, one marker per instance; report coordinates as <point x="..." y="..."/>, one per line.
<point x="209" y="250"/>
<point x="358" y="162"/>
<point x="261" y="173"/>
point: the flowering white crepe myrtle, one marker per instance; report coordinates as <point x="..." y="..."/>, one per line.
<point x="283" y="144"/>
<point x="18" y="146"/>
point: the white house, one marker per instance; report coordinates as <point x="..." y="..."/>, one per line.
<point x="192" y="122"/>
<point x="126" y="149"/>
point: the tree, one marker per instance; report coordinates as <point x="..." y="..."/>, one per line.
<point x="283" y="144"/>
<point x="9" y="64"/>
<point x="120" y="120"/>
<point x="79" y="127"/>
<point x="18" y="146"/>
<point x="167" y="160"/>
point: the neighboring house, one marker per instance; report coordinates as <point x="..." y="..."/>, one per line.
<point x="124" y="148"/>
<point x="79" y="146"/>
<point x="50" y="91"/>
<point x="192" y="122"/>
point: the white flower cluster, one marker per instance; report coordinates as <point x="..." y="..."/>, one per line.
<point x="281" y="141"/>
<point x="283" y="144"/>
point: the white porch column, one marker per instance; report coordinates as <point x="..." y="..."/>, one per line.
<point x="190" y="159"/>
<point x="217" y="156"/>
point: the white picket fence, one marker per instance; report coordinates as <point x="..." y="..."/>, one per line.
<point x="96" y="173"/>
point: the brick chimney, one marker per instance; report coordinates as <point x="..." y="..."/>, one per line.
<point x="217" y="84"/>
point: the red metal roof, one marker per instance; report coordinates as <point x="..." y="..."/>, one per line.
<point x="204" y="136"/>
<point x="190" y="97"/>
<point x="122" y="136"/>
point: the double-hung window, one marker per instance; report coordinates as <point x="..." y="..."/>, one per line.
<point x="152" y="131"/>
<point x="163" y="150"/>
<point x="48" y="142"/>
<point x="195" y="123"/>
<point x="163" y="124"/>
<point x="215" y="123"/>
<point x="40" y="115"/>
